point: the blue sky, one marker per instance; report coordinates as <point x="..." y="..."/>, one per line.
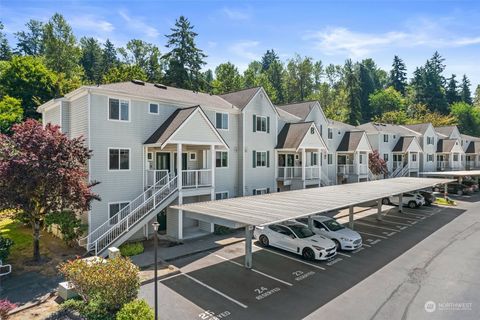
<point x="240" y="31"/>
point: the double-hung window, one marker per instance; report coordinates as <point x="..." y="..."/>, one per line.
<point x="153" y="108"/>
<point x="221" y="120"/>
<point x="385" y="156"/>
<point x="113" y="209"/>
<point x="385" y="138"/>
<point x="118" y="110"/>
<point x="119" y="159"/>
<point x="330" y="133"/>
<point x="261" y="124"/>
<point x="330" y="158"/>
<point x="221" y="159"/>
<point x="261" y="159"/>
<point x="414" y="157"/>
<point x="455" y="157"/>
<point x="257" y="192"/>
<point x="221" y="195"/>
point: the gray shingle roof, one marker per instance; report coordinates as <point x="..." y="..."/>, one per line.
<point x="469" y="138"/>
<point x="170" y="125"/>
<point x="287" y="117"/>
<point x="240" y="98"/>
<point x="299" y="109"/>
<point x="446" y="130"/>
<point x="292" y="135"/>
<point x="373" y="127"/>
<point x="473" y="147"/>
<point x="445" y="145"/>
<point x="402" y="144"/>
<point x="338" y="124"/>
<point x="188" y="97"/>
<point x="419" y="127"/>
<point x="350" y="141"/>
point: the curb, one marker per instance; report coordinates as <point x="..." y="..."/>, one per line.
<point x="203" y="250"/>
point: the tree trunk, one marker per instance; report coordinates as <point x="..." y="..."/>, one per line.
<point x="36" y="240"/>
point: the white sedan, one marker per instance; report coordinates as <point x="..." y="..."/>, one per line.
<point x="412" y="200"/>
<point x="344" y="238"/>
<point x="297" y="238"/>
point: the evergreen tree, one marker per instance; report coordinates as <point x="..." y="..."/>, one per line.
<point x="146" y="56"/>
<point x="91" y="60"/>
<point x="465" y="94"/>
<point x="476" y="100"/>
<point x="5" y="51"/>
<point x="60" y="46"/>
<point x="109" y="56"/>
<point x="299" y="81"/>
<point x="451" y="92"/>
<point x="29" y="42"/>
<point x="268" y="58"/>
<point x="252" y="73"/>
<point x="367" y="87"/>
<point x="208" y="77"/>
<point x="185" y="60"/>
<point x="353" y="91"/>
<point x="398" y="75"/>
<point x="275" y="75"/>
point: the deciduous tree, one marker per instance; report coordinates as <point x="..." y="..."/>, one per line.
<point x="11" y="112"/>
<point x="29" y="42"/>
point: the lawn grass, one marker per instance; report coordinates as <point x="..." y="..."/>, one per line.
<point x="22" y="237"/>
<point x="445" y="202"/>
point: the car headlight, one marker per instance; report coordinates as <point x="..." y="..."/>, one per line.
<point x="346" y="239"/>
<point x="319" y="248"/>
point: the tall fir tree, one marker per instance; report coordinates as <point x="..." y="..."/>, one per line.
<point x="465" y="94"/>
<point x="398" y="75"/>
<point x="91" y="60"/>
<point x="5" y="50"/>
<point x="29" y="42"/>
<point x="451" y="91"/>
<point x="353" y="91"/>
<point x="275" y="75"/>
<point x="268" y="58"/>
<point x="109" y="56"/>
<point x="367" y="87"/>
<point x="185" y="59"/>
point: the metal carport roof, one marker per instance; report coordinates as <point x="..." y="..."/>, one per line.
<point x="282" y="206"/>
<point x="452" y="173"/>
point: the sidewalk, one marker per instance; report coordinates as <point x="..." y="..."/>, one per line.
<point x="188" y="247"/>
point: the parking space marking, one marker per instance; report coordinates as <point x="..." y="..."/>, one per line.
<point x="378" y="227"/>
<point x="416" y="211"/>
<point x="396" y="223"/>
<point x="344" y="254"/>
<point x="404" y="218"/>
<point x="366" y="245"/>
<point x="255" y="270"/>
<point x="372" y="235"/>
<point x="170" y="277"/>
<point x="216" y="291"/>
<point x="285" y="256"/>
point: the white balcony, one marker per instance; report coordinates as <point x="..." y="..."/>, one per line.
<point x="312" y="172"/>
<point x="290" y="173"/>
<point x="196" y="178"/>
<point x="346" y="169"/>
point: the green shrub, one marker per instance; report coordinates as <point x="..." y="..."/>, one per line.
<point x="70" y="226"/>
<point x="5" y="244"/>
<point x="93" y="310"/>
<point x="131" y="249"/>
<point x="221" y="230"/>
<point x="136" y="310"/>
<point x="109" y="283"/>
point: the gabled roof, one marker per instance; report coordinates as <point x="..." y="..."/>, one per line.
<point x="469" y="138"/>
<point x="170" y="125"/>
<point x="374" y="127"/>
<point x="446" y="130"/>
<point x="292" y="135"/>
<point x="403" y="144"/>
<point x="350" y="141"/>
<point x="473" y="147"/>
<point x="445" y="145"/>
<point x="287" y="117"/>
<point x="240" y="98"/>
<point x="338" y="124"/>
<point x="167" y="93"/>
<point x="299" y="109"/>
<point x="419" y="127"/>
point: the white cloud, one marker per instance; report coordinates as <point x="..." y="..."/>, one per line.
<point x="89" y="22"/>
<point x="137" y="24"/>
<point x="418" y="33"/>
<point x="236" y="14"/>
<point x="245" y="49"/>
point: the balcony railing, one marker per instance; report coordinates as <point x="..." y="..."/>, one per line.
<point x="469" y="165"/>
<point x="363" y="169"/>
<point x="153" y="176"/>
<point x="346" y="169"/>
<point x="312" y="173"/>
<point x="413" y="165"/>
<point x="196" y="178"/>
<point x="288" y="173"/>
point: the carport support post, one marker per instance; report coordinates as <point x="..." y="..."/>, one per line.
<point x="445" y="191"/>
<point x="400" y="202"/>
<point x="379" y="209"/>
<point x="350" y="217"/>
<point x="310" y="222"/>
<point x="248" y="246"/>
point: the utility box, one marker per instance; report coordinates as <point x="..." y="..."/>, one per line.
<point x="66" y="290"/>
<point x="113" y="252"/>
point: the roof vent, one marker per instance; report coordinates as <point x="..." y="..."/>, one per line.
<point x="160" y="86"/>
<point x="139" y="82"/>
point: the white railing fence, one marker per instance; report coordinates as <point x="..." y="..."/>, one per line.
<point x="346" y="168"/>
<point x="134" y="216"/>
<point x="289" y="172"/>
<point x="312" y="172"/>
<point x="196" y="178"/>
<point x="363" y="169"/>
<point x="154" y="176"/>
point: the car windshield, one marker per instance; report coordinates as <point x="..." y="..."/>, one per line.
<point x="302" y="231"/>
<point x="333" y="225"/>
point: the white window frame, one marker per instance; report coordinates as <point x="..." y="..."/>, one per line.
<point x="222" y="193"/>
<point x="149" y="156"/>
<point x="455" y="155"/>
<point x="330" y="159"/>
<point x="386" y="157"/>
<point x="228" y="162"/>
<point x="120" y="208"/>
<point x="256" y="124"/>
<point x="329" y="133"/>
<point x="385" y="138"/>
<point x="190" y="154"/>
<point x="228" y="121"/>
<point x="256" y="159"/>
<point x="120" y="109"/>
<point x="158" y="108"/>
<point x="262" y="191"/>
<point x="129" y="159"/>
<point x="414" y="157"/>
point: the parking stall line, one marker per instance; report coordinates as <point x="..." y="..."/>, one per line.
<point x="400" y="225"/>
<point x="254" y="270"/>
<point x="397" y="223"/>
<point x="418" y="212"/>
<point x="285" y="256"/>
<point x="372" y="235"/>
<point x="170" y="277"/>
<point x="216" y="291"/>
<point x="404" y="218"/>
<point x="378" y="227"/>
<point x="344" y="254"/>
<point x="366" y="245"/>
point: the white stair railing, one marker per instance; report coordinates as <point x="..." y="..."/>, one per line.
<point x="371" y="176"/>
<point x="124" y="225"/>
<point x="405" y="171"/>
<point x="90" y="239"/>
<point x="395" y="172"/>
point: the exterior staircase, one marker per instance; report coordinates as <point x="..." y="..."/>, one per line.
<point x="129" y="220"/>
<point x="400" y="171"/>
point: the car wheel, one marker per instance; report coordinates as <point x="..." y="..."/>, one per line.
<point x="337" y="244"/>
<point x="460" y="192"/>
<point x="412" y="204"/>
<point x="308" y="254"/>
<point x="264" y="241"/>
<point x="385" y="201"/>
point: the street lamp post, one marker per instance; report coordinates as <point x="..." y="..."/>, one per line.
<point x="155" y="245"/>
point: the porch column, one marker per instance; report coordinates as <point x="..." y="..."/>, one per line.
<point x="179" y="166"/>
<point x="304" y="162"/>
<point x="319" y="161"/>
<point x="379" y="209"/>
<point x="310" y="222"/>
<point x="248" y="246"/>
<point x="180" y="217"/>
<point x="212" y="168"/>
<point x="358" y="165"/>
<point x="350" y="217"/>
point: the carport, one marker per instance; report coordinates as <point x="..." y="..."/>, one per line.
<point x="454" y="175"/>
<point x="277" y="207"/>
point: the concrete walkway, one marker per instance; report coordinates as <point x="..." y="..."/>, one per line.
<point x="188" y="247"/>
<point x="436" y="279"/>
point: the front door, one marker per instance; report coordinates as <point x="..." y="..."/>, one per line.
<point x="184" y="162"/>
<point x="162" y="163"/>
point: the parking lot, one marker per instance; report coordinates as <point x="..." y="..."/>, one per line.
<point x="215" y="285"/>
